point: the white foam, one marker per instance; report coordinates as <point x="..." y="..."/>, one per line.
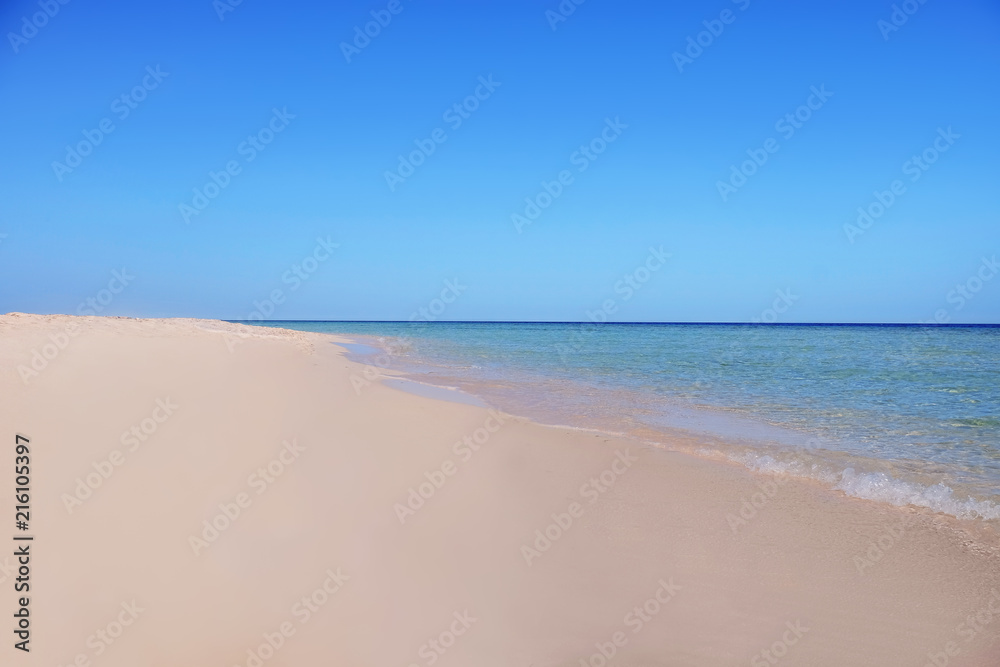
<point x="939" y="497"/>
<point x="767" y="464"/>
<point x="876" y="486"/>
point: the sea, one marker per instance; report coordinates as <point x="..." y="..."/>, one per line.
<point x="901" y="414"/>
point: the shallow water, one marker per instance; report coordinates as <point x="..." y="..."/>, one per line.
<point x="894" y="413"/>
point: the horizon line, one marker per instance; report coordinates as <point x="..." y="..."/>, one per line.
<point x="766" y="324"/>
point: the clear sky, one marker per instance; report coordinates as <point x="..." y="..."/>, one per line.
<point x="310" y="127"/>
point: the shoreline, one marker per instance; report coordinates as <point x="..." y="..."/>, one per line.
<point x="513" y="530"/>
<point x="718" y="434"/>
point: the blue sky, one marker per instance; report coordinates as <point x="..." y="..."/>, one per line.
<point x="343" y="125"/>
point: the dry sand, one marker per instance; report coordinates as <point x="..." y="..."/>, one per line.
<point x="319" y="561"/>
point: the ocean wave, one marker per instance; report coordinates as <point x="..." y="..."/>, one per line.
<point x="876" y="486"/>
<point x="938" y="497"/>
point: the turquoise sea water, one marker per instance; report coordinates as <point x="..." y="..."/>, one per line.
<point x="906" y="415"/>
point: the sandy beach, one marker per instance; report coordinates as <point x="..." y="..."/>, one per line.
<point x="206" y="493"/>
